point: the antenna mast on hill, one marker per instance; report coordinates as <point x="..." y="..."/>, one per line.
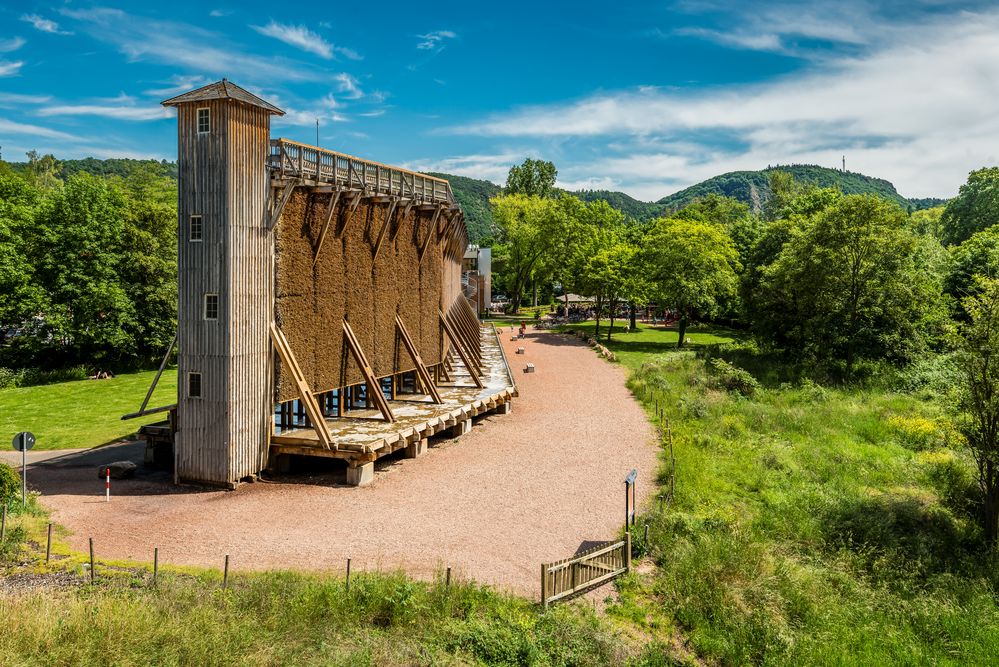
<point x="844" y="163"/>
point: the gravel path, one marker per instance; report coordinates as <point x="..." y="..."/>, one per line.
<point x="520" y="489"/>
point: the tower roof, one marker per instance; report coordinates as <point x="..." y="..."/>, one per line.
<point x="221" y="90"/>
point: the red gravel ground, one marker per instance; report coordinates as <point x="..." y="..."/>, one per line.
<point x="520" y="489"/>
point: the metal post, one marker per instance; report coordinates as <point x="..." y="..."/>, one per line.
<point x="156" y="563"/>
<point x="348" y="575"/>
<point x="3" y="524"/>
<point x="627" y="552"/>
<point x="91" y="560"/>
<point x="48" y="545"/>
<point x="24" y="473"/>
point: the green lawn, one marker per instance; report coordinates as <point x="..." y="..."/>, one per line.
<point x="635" y="347"/>
<point x="84" y="413"/>
<point x="811" y="525"/>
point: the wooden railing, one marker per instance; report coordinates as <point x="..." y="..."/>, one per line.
<point x="572" y="576"/>
<point x="290" y="159"/>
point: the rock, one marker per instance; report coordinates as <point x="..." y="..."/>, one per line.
<point x="119" y="470"/>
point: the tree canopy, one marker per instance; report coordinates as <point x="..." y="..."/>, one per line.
<point x="975" y="208"/>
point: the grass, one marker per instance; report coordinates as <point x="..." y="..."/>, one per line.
<point x="811" y="525"/>
<point x="83" y="413"/>
<point x="278" y="618"/>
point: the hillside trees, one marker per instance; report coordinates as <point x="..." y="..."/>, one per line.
<point x="21" y="295"/>
<point x="975" y="208"/>
<point x="852" y="281"/>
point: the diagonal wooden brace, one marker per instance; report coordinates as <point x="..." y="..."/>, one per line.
<point x="374" y="389"/>
<point x="289" y="189"/>
<point x="316" y="417"/>
<point x="414" y="354"/>
<point x="455" y="341"/>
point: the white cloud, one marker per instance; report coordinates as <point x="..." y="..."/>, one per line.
<point x="12" y="44"/>
<point x="921" y="111"/>
<point x="322" y="110"/>
<point x="349" y="86"/>
<point x="219" y="13"/>
<point x="179" y="83"/>
<point x="44" y="24"/>
<point x="434" y="40"/>
<point x="17" y="99"/>
<point x="118" y="112"/>
<point x="188" y="46"/>
<point x="16" y="129"/>
<point x="489" y="167"/>
<point x="8" y="68"/>
<point x="304" y="39"/>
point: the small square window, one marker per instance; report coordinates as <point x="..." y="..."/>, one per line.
<point x="194" y="385"/>
<point x="196" y="228"/>
<point x="211" y="306"/>
<point x="204" y="121"/>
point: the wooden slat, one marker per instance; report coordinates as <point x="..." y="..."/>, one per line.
<point x="453" y="335"/>
<point x="374" y="389"/>
<point x="316" y="417"/>
<point x="385" y="225"/>
<point x="414" y="355"/>
<point x="152" y="387"/>
<point x="289" y="189"/>
<point x="431" y="232"/>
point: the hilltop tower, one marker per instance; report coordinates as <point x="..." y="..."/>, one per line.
<point x="225" y="284"/>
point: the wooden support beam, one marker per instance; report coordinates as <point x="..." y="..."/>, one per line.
<point x="348" y="211"/>
<point x="414" y="354"/>
<point x="315" y="415"/>
<point x="385" y="225"/>
<point x="374" y="389"/>
<point x="289" y="189"/>
<point x="465" y="359"/>
<point x="431" y="231"/>
<point x="152" y="387"/>
<point x="326" y="226"/>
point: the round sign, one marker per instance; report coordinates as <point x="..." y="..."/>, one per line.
<point x="24" y="440"/>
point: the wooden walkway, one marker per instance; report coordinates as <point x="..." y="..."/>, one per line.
<point x="364" y="436"/>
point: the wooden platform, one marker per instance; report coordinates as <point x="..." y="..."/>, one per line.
<point x="362" y="436"/>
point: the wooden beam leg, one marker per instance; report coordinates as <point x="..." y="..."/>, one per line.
<point x="464" y="356"/>
<point x="414" y="355"/>
<point x="329" y="219"/>
<point x="306" y="399"/>
<point x="374" y="389"/>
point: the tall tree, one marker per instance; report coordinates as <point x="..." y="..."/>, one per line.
<point x="533" y="178"/>
<point x="691" y="266"/>
<point x="978" y="403"/>
<point x="852" y="281"/>
<point x="21" y="296"/>
<point x="525" y="223"/>
<point x="975" y="208"/>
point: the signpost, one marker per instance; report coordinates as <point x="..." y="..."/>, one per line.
<point x="629" y="500"/>
<point x="24" y="441"/>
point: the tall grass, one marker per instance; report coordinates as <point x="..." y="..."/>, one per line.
<point x="815" y="525"/>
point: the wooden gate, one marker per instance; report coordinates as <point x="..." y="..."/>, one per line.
<point x="586" y="571"/>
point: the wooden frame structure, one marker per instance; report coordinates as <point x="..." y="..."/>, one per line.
<point x="276" y="211"/>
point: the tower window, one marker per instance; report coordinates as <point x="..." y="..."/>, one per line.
<point x="196" y="228"/>
<point x="211" y="306"/>
<point x="194" y="385"/>
<point x="204" y="120"/>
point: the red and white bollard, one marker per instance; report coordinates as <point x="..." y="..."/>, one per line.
<point x="107" y="486"/>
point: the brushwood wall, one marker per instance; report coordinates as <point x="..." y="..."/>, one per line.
<point x="348" y="280"/>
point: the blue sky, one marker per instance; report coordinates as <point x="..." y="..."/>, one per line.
<point x="644" y="97"/>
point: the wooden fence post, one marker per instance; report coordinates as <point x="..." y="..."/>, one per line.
<point x="447" y="582"/>
<point x="225" y="573"/>
<point x="156" y="563"/>
<point x="348" y="575"/>
<point x="48" y="544"/>
<point x="3" y="524"/>
<point x="92" y="575"/>
<point x="544" y="586"/>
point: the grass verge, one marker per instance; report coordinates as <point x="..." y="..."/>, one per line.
<point x="83" y="413"/>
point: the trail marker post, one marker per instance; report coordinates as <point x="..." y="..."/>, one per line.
<point x="107" y="486"/>
<point x="629" y="500"/>
<point x="24" y="441"/>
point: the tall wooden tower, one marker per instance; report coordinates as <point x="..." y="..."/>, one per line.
<point x="225" y="284"/>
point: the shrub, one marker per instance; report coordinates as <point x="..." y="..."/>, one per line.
<point x="732" y="378"/>
<point x="8" y="378"/>
<point x="10" y="484"/>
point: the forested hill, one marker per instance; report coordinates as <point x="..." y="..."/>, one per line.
<point x="752" y="187"/>
<point x="635" y="208"/>
<point x="473" y="195"/>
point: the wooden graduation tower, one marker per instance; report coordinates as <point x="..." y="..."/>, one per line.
<point x="225" y="284"/>
<point x="316" y="290"/>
